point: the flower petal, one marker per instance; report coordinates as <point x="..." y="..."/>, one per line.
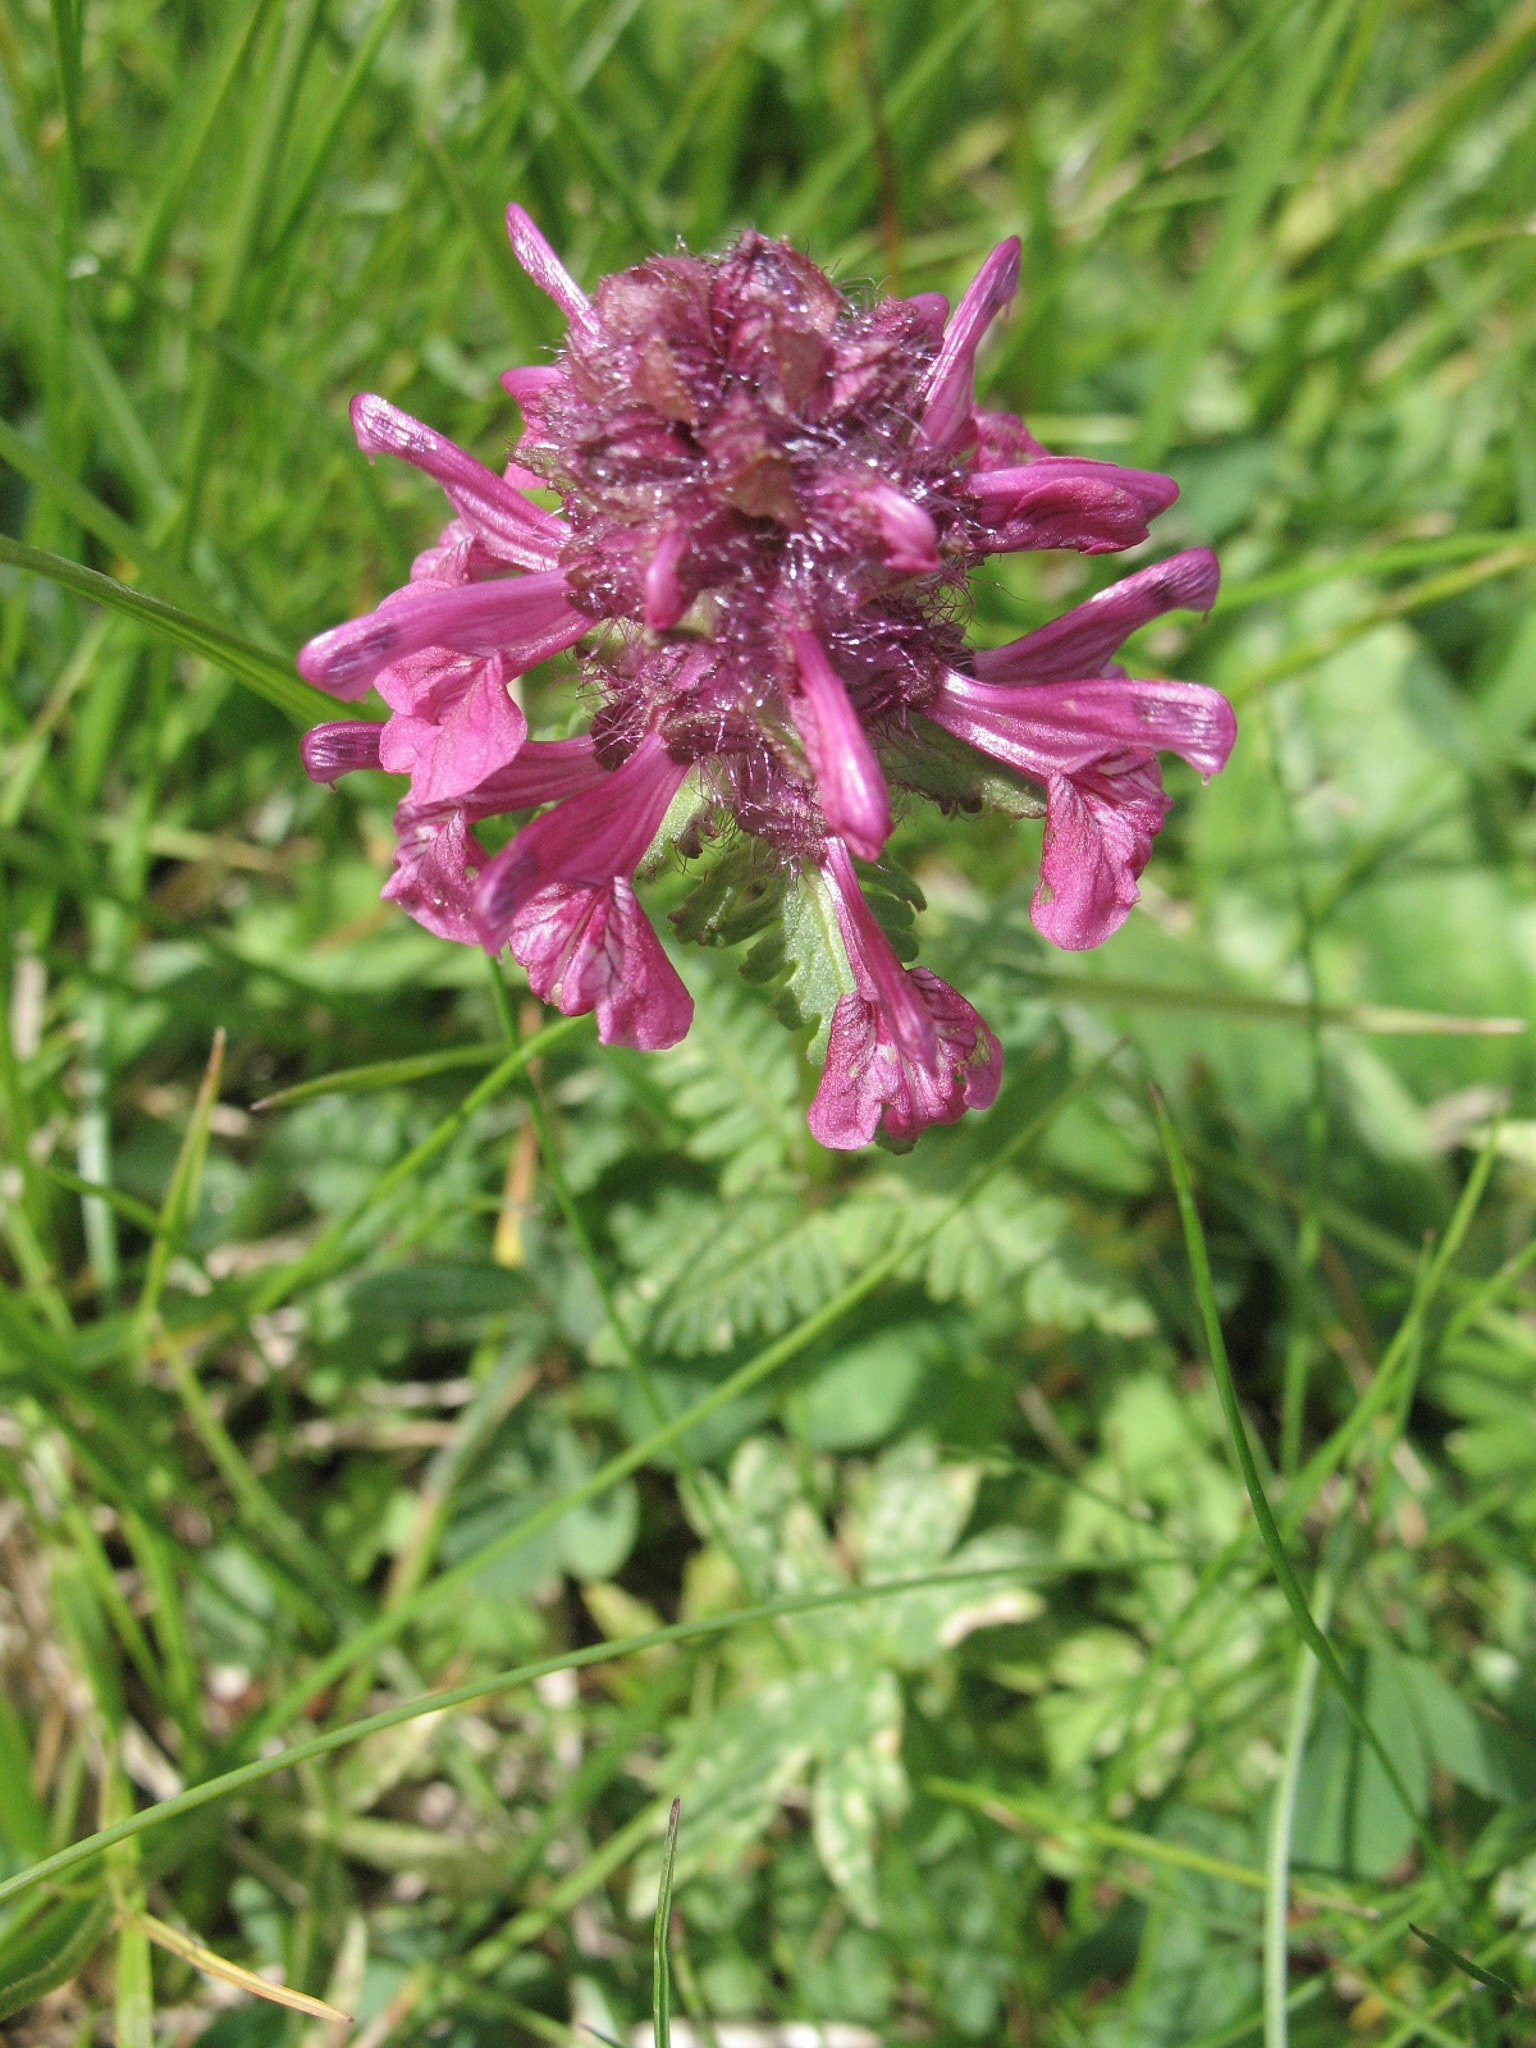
<point x="868" y="1081"/>
<point x="340" y="748"/>
<point x="949" y="389"/>
<point x="854" y="799"/>
<point x="448" y="756"/>
<point x="664" y="600"/>
<point x="530" y="380"/>
<point x="503" y="518"/>
<point x="1099" y="830"/>
<point x="436" y="860"/>
<point x="1082" y="640"/>
<point x="1045" y="729"/>
<point x="589" y="838"/>
<point x="523" y="618"/>
<point x="1068" y="501"/>
<point x="591" y="947"/>
<point x="546" y="270"/>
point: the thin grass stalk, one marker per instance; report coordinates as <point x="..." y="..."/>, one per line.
<point x="1269" y="1533"/>
<point x="261" y="1768"/>
<point x="1277" y="1862"/>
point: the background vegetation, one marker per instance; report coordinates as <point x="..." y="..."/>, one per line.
<point x="310" y="1407"/>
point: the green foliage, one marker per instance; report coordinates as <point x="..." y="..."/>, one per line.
<point x="347" y="1405"/>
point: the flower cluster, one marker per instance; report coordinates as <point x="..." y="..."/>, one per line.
<point x="772" y="498"/>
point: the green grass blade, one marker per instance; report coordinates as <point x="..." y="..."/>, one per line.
<point x="1377" y="1019"/>
<point x="1376" y="561"/>
<point x="661" y="1974"/>
<point x="48" y="1955"/>
<point x="345" y="97"/>
<point x="367" y="1080"/>
<point x="164" y="209"/>
<point x="258" y="671"/>
<point x="799" y="215"/>
<point x="1384" y="1387"/>
<point x="1468" y="1968"/>
<point x="1269" y="1534"/>
<point x="1259" y="175"/>
<point x="181" y="1194"/>
<point x="1278" y="1884"/>
<point x="701" y="1630"/>
<point x="317" y="1261"/>
<point x="139" y="1214"/>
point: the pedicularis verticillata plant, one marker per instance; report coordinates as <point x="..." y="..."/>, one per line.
<point x="772" y="498"/>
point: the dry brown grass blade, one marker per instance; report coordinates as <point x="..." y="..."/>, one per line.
<point x="212" y="1965"/>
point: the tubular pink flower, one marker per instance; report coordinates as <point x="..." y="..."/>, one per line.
<point x="544" y="772"/>
<point x="502" y="517"/>
<point x="1082" y="640"/>
<point x="849" y="784"/>
<point x="948" y="392"/>
<point x="1093" y="744"/>
<point x="910" y="537"/>
<point x="523" y="618"/>
<point x="771" y="498"/>
<point x="904" y="1050"/>
<point x="1060" y="501"/>
<point x="340" y="748"/>
<point x="591" y="838"/>
<point x="546" y="269"/>
<point x="591" y="947"/>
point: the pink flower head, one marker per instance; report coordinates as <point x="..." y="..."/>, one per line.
<point x="771" y="499"/>
<point x="904" y="1049"/>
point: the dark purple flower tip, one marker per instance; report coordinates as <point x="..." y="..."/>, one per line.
<point x="949" y="389"/>
<point x="591" y="839"/>
<point x="546" y="270"/>
<point x="1066" y="501"/>
<point x="340" y="748"/>
<point x="849" y="784"/>
<point x="1082" y="640"/>
<point x="512" y="616"/>
<point x="591" y="947"/>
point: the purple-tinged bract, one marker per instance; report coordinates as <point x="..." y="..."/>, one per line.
<point x="772" y="498"/>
